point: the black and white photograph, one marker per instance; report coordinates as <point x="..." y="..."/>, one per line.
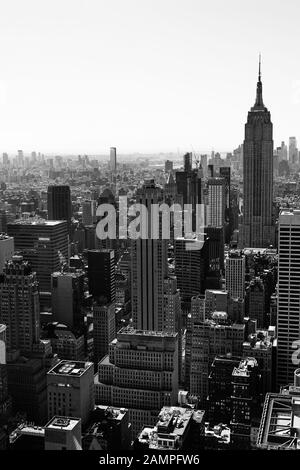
<point x="149" y="231"/>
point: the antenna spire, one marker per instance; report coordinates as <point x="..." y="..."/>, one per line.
<point x="259" y="68"/>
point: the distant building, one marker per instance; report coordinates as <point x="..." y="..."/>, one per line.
<point x="235" y="274"/>
<point x="67" y="296"/>
<point x="113" y="159"/>
<point x="104" y="329"/>
<point x="101" y="274"/>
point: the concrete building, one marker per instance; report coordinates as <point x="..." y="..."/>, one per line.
<point x="59" y="204"/>
<point x="216" y="202"/>
<point x="63" y="433"/>
<point x="6" y="249"/>
<point x="288" y="314"/>
<point x="235" y="274"/>
<point x="67" y="288"/>
<point x="104" y="329"/>
<point x="140" y="373"/>
<point x="70" y="389"/>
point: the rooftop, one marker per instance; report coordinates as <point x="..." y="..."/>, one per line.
<point x="71" y="368"/>
<point x="128" y="330"/>
<point x="64" y="423"/>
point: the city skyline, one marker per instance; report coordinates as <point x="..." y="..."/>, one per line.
<point x="71" y="74"/>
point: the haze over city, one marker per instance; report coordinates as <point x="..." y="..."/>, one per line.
<point x="147" y="77"/>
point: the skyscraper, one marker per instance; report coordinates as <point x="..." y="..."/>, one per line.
<point x="258" y="227"/>
<point x="235" y="274"/>
<point x="101" y="274"/>
<point x="19" y="305"/>
<point x="113" y="159"/>
<point x="288" y="316"/>
<point x="59" y="203"/>
<point x="216" y="202"/>
<point x="148" y="268"/>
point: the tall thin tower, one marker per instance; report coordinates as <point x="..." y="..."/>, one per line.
<point x="258" y="227"/>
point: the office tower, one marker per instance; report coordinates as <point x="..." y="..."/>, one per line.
<point x="172" y="304"/>
<point x="261" y="346"/>
<point x="65" y="342"/>
<point x="288" y="315"/>
<point x="104" y="329"/>
<point x="140" y="373"/>
<point x="245" y="386"/>
<point x="113" y="159"/>
<point x="63" y="433"/>
<point x="6" y="249"/>
<point x="258" y="226"/>
<point x="210" y="337"/>
<point x="44" y="244"/>
<point x="101" y="274"/>
<point x="19" y="305"/>
<point x="203" y="161"/>
<point x="280" y="425"/>
<point x="176" y="429"/>
<point x="70" y="389"/>
<point x="168" y="166"/>
<point x="213" y="255"/>
<point x="216" y="301"/>
<point x="148" y="267"/>
<point x="283" y="154"/>
<point x="28" y="387"/>
<point x="189" y="268"/>
<point x="189" y="186"/>
<point x="235" y="274"/>
<point x="5" y="159"/>
<point x="89" y="212"/>
<point x="109" y="428"/>
<point x="225" y="172"/>
<point x="20" y="158"/>
<point x="5" y="400"/>
<point x="219" y="401"/>
<point x="216" y="202"/>
<point x="196" y="314"/>
<point x="59" y="204"/>
<point x="188" y="162"/>
<point x="67" y="296"/>
<point x="293" y="151"/>
<point x="255" y="301"/>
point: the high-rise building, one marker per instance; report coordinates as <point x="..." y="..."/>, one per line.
<point x="245" y="386"/>
<point x="258" y="228"/>
<point x="19" y="305"/>
<point x="189" y="268"/>
<point x="70" y="389"/>
<point x="288" y="314"/>
<point x="44" y="243"/>
<point x="104" y="329"/>
<point x="67" y="296"/>
<point x="255" y="301"/>
<point x="216" y="202"/>
<point x="235" y="274"/>
<point x="6" y="249"/>
<point x="168" y="166"/>
<point x="149" y="267"/>
<point x="210" y="337"/>
<point x="113" y="159"/>
<point x="101" y="274"/>
<point x="293" y="151"/>
<point x="59" y="204"/>
<point x="140" y="373"/>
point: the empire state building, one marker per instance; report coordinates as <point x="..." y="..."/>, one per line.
<point x="258" y="229"/>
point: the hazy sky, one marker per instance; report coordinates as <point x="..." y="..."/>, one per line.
<point x="144" y="75"/>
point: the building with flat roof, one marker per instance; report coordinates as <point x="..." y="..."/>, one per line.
<point x="176" y="428"/>
<point x="6" y="249"/>
<point x="70" y="389"/>
<point x="280" y="421"/>
<point x="63" y="433"/>
<point x="140" y="373"/>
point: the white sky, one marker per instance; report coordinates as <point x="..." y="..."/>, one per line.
<point x="144" y="75"/>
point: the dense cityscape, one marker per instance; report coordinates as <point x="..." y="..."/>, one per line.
<point x="116" y="342"/>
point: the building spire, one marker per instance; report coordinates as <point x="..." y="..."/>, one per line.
<point x="259" y="100"/>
